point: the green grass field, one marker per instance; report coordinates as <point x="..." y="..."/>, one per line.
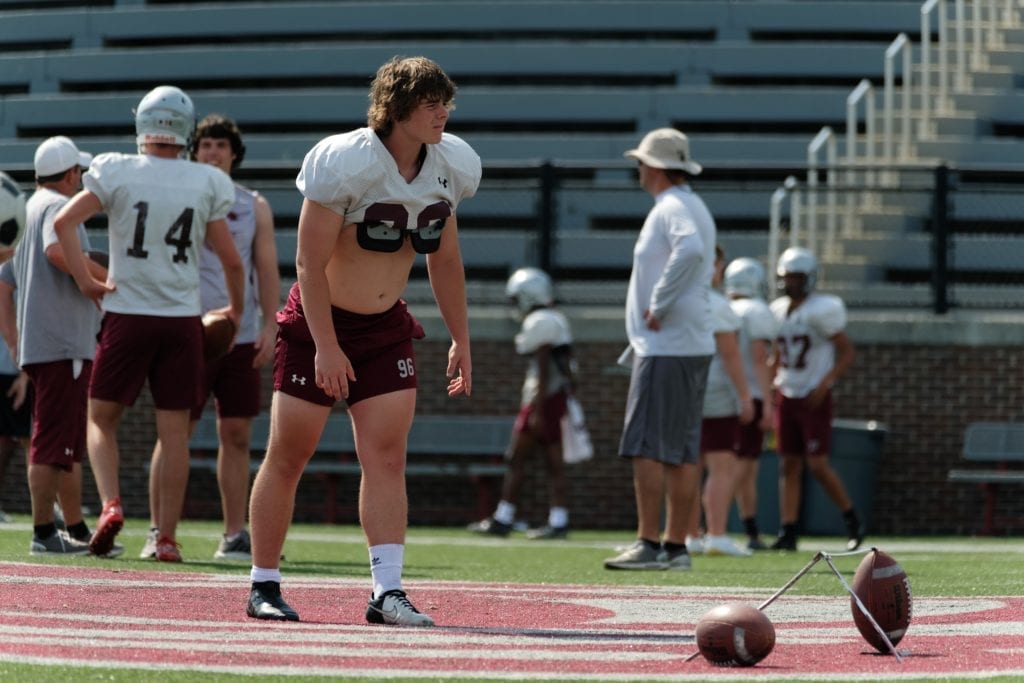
<point x="937" y="567"/>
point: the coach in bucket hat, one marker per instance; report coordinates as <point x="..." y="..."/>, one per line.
<point x="666" y="148"/>
<point x="56" y="155"/>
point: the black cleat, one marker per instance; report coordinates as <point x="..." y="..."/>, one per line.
<point x="490" y="527"/>
<point x="784" y="543"/>
<point x="265" y="602"/>
<point x="856" y="538"/>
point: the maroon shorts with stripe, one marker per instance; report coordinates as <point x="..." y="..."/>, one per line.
<point x="234" y="384"/>
<point x="378" y="345"/>
<point x="553" y="407"/>
<point x="801" y="429"/>
<point x="59" y="413"/>
<point x="751" y="435"/>
<point x="134" y="348"/>
<point x="719" y="434"/>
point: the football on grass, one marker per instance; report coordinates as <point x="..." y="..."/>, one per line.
<point x="218" y="333"/>
<point x="884" y="588"/>
<point x="735" y="634"/>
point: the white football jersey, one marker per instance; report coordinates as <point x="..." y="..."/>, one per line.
<point x="213" y="289"/>
<point x="157" y="211"/>
<point x="720" y="397"/>
<point x="543" y="327"/>
<point x="354" y="175"/>
<point x="758" y="324"/>
<point x="806" y="352"/>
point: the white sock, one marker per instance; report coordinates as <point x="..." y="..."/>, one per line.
<point x="558" y="518"/>
<point x="506" y="513"/>
<point x="259" y="574"/>
<point x="386" y="567"/>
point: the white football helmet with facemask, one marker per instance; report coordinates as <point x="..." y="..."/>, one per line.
<point x="165" y="116"/>
<point x="745" y="277"/>
<point x="530" y="288"/>
<point x="798" y="260"/>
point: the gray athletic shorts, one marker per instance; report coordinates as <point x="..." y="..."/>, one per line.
<point x="664" y="409"/>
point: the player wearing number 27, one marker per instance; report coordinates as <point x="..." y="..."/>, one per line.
<point x="161" y="208"/>
<point x="374" y="198"/>
<point x="811" y="353"/>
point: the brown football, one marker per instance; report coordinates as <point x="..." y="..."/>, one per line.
<point x="218" y="333"/>
<point x="735" y="634"/>
<point x="884" y="588"/>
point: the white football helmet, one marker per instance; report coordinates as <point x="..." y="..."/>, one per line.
<point x="798" y="260"/>
<point x="166" y="116"/>
<point x="12" y="211"/>
<point x="745" y="277"/>
<point x="530" y="288"/>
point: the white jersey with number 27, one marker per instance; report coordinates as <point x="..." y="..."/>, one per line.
<point x="804" y="339"/>
<point x="157" y="210"/>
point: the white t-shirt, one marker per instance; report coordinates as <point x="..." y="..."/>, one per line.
<point x="758" y="324"/>
<point x="672" y="266"/>
<point x="721" y="398"/>
<point x="158" y="210"/>
<point x="807" y="353"/>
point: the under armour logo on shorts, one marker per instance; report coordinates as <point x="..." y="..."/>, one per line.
<point x="298" y="380"/>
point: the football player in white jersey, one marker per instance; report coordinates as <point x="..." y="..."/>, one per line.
<point x="546" y="338"/>
<point x="374" y="198"/>
<point x="744" y="285"/>
<point x="234" y="380"/>
<point x="161" y="209"/>
<point x="811" y="352"/>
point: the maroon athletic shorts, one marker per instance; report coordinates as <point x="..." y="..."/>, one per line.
<point x="378" y="345"/>
<point x="166" y="351"/>
<point x="802" y="430"/>
<point x="554" y="408"/>
<point x="234" y="383"/>
<point x="719" y="433"/>
<point x="59" y="413"/>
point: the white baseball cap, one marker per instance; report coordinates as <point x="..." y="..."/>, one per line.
<point x="665" y="148"/>
<point x="58" y="154"/>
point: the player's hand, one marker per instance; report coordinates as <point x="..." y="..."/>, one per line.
<point x="264" y="345"/>
<point x="746" y="411"/>
<point x="818" y="395"/>
<point x="96" y="290"/>
<point x="19" y="390"/>
<point x="652" y="323"/>
<point x="765" y="424"/>
<point x="333" y="372"/>
<point x="460" y="370"/>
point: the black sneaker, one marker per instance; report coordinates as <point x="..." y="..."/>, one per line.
<point x="265" y="602"/>
<point x="393" y="607"/>
<point x="490" y="527"/>
<point x="784" y="543"/>
<point x="548" y="533"/>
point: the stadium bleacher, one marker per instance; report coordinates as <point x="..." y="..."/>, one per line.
<point x="570" y="82"/>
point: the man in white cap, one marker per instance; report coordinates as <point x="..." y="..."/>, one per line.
<point x="54" y="343"/>
<point x="161" y="208"/>
<point x="668" y="322"/>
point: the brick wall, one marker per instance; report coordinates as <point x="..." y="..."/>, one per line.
<point x="925" y="395"/>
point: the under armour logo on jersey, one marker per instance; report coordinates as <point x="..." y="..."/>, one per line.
<point x="443" y="181"/>
<point x="69" y="451"/>
<point x="301" y="381"/>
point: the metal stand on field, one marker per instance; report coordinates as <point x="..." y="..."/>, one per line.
<point x="822" y="555"/>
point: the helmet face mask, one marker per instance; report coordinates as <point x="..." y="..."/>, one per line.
<point x="529" y="288"/>
<point x="797" y="261"/>
<point x="745" y="277"/>
<point x="165" y="116"/>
